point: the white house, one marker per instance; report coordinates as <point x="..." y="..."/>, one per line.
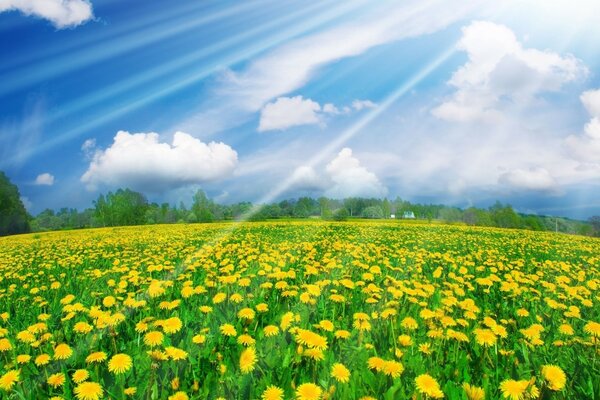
<point x="408" y="215"/>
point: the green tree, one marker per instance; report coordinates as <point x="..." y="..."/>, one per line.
<point x="123" y="207"/>
<point x="13" y="216"/>
<point x="374" y="212"/>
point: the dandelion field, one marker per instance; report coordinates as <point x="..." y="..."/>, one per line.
<point x="299" y="310"/>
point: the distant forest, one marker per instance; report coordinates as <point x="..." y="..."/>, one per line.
<point x="127" y="207"/>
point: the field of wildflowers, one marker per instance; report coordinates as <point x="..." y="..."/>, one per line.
<point x="299" y="310"/>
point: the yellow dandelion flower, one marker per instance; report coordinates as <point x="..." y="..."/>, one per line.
<point x="485" y="337"/>
<point x="80" y="375"/>
<point x="246" y="313"/>
<point x="592" y="328"/>
<point x="308" y="391"/>
<point x="555" y="377"/>
<point x="23" y="358"/>
<point x="56" y="380"/>
<point x="427" y="385"/>
<point x="340" y="373"/>
<point x="473" y="392"/>
<point x="42" y="359"/>
<point x="393" y="368"/>
<point x="120" y="363"/>
<point x="5" y="345"/>
<point x="199" y="339"/>
<point x="228" y="330"/>
<point x="62" y="352"/>
<point x="179" y="396"/>
<point x="248" y="360"/>
<point x="89" y="391"/>
<point x="513" y="390"/>
<point x="130" y="391"/>
<point x="8" y="380"/>
<point x="311" y="339"/>
<point x="153" y="338"/>
<point x="272" y="393"/>
<point x="376" y="363"/>
<point x="172" y="325"/>
<point x="96" y="357"/>
<point x="175" y="353"/>
<point x="270" y="330"/>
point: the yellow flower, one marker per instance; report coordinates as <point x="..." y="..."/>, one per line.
<point x="246" y="340"/>
<point x="56" y="380"/>
<point x="42" y="359"/>
<point x="473" y="392"/>
<point x="120" y="363"/>
<point x="23" y="358"/>
<point x="172" y="325"/>
<point x="376" y="363"/>
<point x="592" y="328"/>
<point x="199" y="339"/>
<point x="409" y="323"/>
<point x="308" y="391"/>
<point x="248" y="360"/>
<point x="485" y="337"/>
<point x="179" y="396"/>
<point x="512" y="389"/>
<point x="62" y="351"/>
<point x="8" y="380"/>
<point x="555" y="377"/>
<point x="153" y="338"/>
<point x="80" y="375"/>
<point x="82" y="327"/>
<point x="340" y="373"/>
<point x="228" y="330"/>
<point x="5" y="345"/>
<point x="393" y="368"/>
<point x="130" y="391"/>
<point x="311" y="339"/>
<point x="246" y="313"/>
<point x="96" y="357"/>
<point x="272" y="393"/>
<point x="89" y="391"/>
<point x="427" y="385"/>
<point x="404" y="340"/>
<point x="175" y="353"/>
<point x="270" y="330"/>
<point x="342" y="334"/>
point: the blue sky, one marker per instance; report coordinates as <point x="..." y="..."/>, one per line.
<point x="462" y="103"/>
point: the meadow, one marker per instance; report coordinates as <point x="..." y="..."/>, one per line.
<point x="299" y="310"/>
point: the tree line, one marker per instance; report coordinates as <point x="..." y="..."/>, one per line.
<point x="128" y="207"/>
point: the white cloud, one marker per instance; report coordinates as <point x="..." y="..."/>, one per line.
<point x="306" y="178"/>
<point x="536" y="179"/>
<point x="45" y="179"/>
<point x="290" y="66"/>
<point x="350" y="178"/>
<point x="140" y="161"/>
<point x="358" y="105"/>
<point x="501" y="73"/>
<point x="286" y="112"/>
<point x="585" y="148"/>
<point x="62" y="13"/>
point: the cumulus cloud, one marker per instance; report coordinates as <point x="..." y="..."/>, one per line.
<point x="140" y="161"/>
<point x="585" y="148"/>
<point x="349" y="178"/>
<point x="500" y="72"/>
<point x="306" y="178"/>
<point x="62" y="13"/>
<point x="286" y="112"/>
<point x="361" y="104"/>
<point x="535" y="179"/>
<point x="44" y="179"/>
